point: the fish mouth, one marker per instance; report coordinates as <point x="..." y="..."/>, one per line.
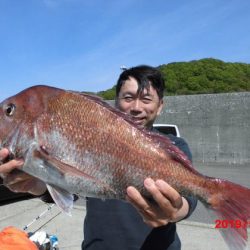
<point x="11" y="140"/>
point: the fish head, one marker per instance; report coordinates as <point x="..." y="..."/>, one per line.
<point x="19" y="113"/>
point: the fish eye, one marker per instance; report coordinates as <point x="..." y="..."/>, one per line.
<point x="10" y="109"/>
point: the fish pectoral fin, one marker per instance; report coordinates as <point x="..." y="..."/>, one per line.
<point x="67" y="169"/>
<point x="62" y="198"/>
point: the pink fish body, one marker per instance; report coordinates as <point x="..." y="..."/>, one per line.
<point x="76" y="143"/>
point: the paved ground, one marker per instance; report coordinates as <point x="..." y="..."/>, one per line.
<point x="196" y="233"/>
<point x="68" y="229"/>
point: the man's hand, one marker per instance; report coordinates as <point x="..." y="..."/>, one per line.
<point x="169" y="207"/>
<point x="15" y="179"/>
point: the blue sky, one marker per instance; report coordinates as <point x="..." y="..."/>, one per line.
<point x="81" y="44"/>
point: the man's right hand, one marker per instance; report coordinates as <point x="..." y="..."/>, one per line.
<point x="19" y="181"/>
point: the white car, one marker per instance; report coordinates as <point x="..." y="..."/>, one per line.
<point x="167" y="128"/>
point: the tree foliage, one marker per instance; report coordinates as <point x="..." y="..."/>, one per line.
<point x="108" y="94"/>
<point x="205" y="76"/>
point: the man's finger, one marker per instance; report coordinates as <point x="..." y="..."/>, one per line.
<point x="10" y="165"/>
<point x="140" y="203"/>
<point x="170" y="193"/>
<point x="163" y="201"/>
<point x="3" y="153"/>
<point x="136" y="198"/>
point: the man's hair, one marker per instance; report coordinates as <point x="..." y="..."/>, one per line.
<point x="144" y="75"/>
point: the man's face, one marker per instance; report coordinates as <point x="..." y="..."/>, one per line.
<point x="144" y="107"/>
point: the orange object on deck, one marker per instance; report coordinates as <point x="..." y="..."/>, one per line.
<point x="12" y="238"/>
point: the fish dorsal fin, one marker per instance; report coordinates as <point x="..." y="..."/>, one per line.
<point x="168" y="146"/>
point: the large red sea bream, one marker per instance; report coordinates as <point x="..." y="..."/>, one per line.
<point x="76" y="143"/>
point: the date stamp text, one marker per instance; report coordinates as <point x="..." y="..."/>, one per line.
<point x="231" y="224"/>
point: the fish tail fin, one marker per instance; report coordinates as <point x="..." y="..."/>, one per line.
<point x="232" y="206"/>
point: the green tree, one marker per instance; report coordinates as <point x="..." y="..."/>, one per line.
<point x="202" y="76"/>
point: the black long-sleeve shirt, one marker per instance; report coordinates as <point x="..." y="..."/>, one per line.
<point x="116" y="225"/>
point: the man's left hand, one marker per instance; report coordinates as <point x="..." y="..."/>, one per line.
<point x="170" y="205"/>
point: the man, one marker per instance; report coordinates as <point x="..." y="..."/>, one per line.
<point x="114" y="224"/>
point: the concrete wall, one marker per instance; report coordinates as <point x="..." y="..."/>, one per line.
<point x="216" y="127"/>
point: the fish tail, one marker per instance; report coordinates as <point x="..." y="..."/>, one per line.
<point x="232" y="205"/>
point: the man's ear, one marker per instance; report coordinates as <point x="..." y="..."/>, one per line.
<point x="160" y="107"/>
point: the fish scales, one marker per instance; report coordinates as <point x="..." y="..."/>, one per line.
<point x="120" y="144"/>
<point x="116" y="145"/>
